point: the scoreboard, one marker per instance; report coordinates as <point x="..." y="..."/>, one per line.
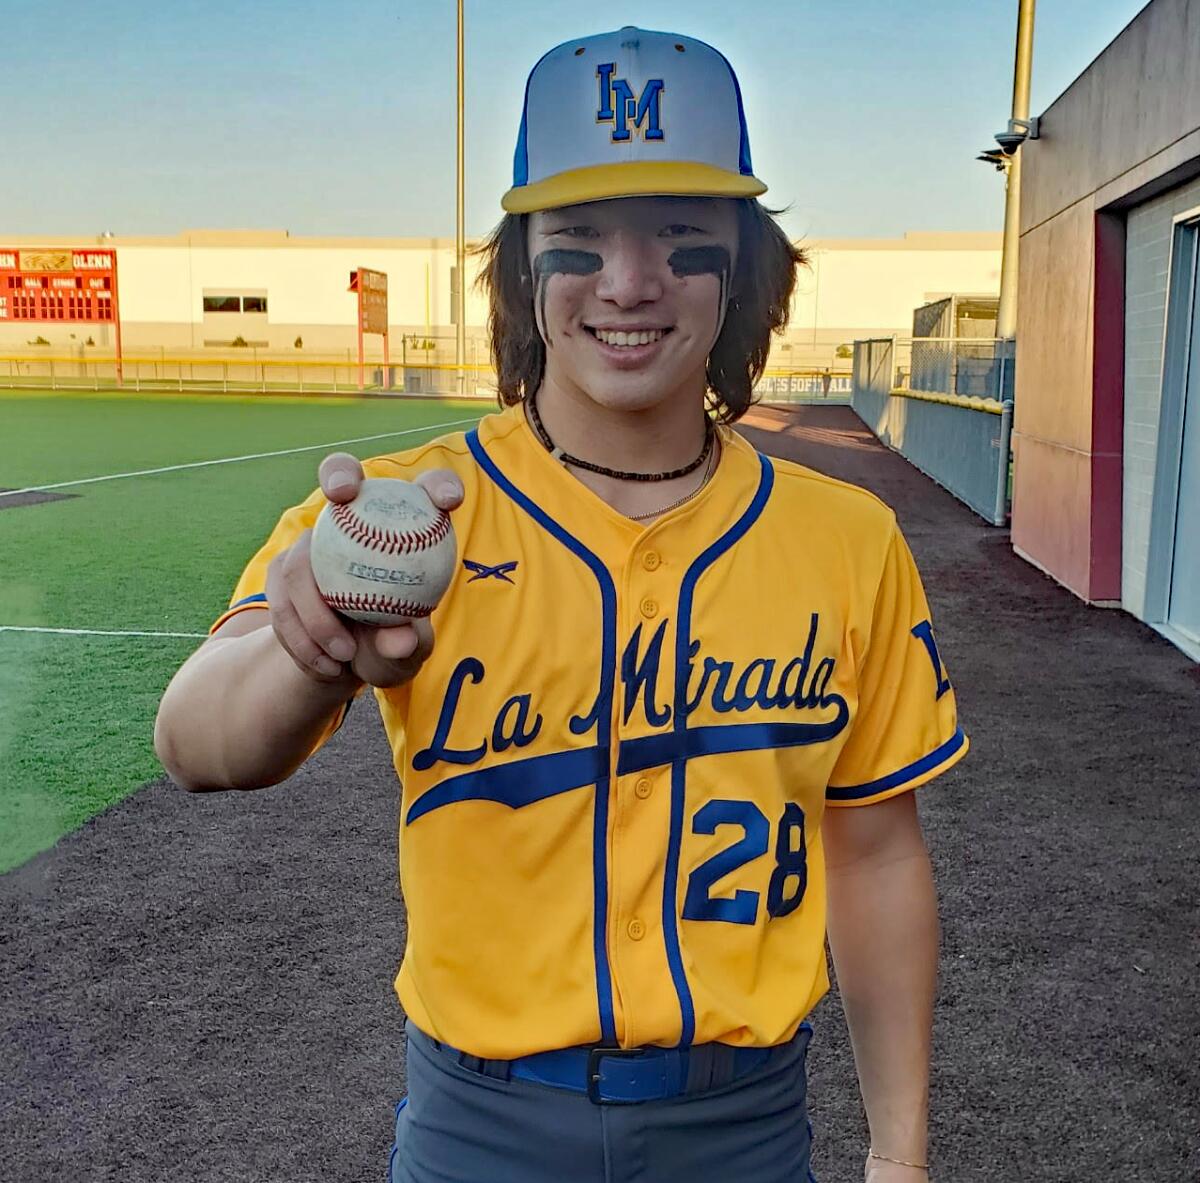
<point x="371" y="287"/>
<point x="77" y="284"/>
<point x="372" y="290"/>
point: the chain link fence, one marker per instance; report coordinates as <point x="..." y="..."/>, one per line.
<point x="946" y="406"/>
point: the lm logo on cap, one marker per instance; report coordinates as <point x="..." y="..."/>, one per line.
<point x="620" y="107"/>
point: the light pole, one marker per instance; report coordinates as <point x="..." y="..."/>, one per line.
<point x="459" y="295"/>
<point x="1010" y="141"/>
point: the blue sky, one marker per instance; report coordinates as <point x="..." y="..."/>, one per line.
<point x="332" y="118"/>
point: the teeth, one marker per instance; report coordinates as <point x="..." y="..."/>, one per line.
<point x="645" y="337"/>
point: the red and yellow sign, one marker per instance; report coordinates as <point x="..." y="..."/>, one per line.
<point x="56" y="284"/>
<point x="371" y="287"/>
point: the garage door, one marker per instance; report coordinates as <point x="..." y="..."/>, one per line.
<point x="1183" y="373"/>
<point x="1160" y="577"/>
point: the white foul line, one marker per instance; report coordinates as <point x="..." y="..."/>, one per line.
<point x="116" y="476"/>
<point x="94" y="632"/>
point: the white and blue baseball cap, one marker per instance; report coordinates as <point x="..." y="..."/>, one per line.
<point x="627" y="114"/>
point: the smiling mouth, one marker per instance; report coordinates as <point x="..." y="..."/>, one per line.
<point x="627" y="339"/>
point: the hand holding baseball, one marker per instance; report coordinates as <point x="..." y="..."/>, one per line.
<point x="325" y="645"/>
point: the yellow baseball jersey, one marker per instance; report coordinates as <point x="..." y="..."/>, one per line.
<point x="615" y="764"/>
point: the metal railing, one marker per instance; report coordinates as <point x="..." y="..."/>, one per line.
<point x="946" y="407"/>
<point x="247" y="374"/>
<point x="979" y="367"/>
<point x="253" y="372"/>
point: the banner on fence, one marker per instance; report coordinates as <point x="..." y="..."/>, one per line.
<point x="805" y="385"/>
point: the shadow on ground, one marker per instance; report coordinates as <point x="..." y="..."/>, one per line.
<point x="199" y="987"/>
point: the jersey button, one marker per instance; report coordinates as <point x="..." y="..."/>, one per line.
<point x="636" y="930"/>
<point x="642" y="788"/>
<point x="651" y="560"/>
<point x="649" y="607"/>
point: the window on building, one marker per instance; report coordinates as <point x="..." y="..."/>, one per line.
<point x="222" y="303"/>
<point x="254" y="303"/>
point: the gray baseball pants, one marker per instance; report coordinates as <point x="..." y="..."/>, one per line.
<point x="458" y="1126"/>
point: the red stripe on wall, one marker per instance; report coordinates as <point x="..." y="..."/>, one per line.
<point x="1108" y="407"/>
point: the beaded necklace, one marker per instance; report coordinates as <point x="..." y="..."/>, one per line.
<point x="566" y="458"/>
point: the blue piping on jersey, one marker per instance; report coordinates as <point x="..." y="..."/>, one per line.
<point x="259" y="598"/>
<point x="683" y="642"/>
<point x="909" y="772"/>
<point x="602" y="718"/>
<point x="653" y="751"/>
<point x="519" y="782"/>
<point x="523" y="782"/>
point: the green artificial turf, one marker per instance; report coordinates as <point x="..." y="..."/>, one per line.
<point x="158" y="552"/>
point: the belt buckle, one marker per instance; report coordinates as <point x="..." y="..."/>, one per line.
<point x="595" y="1055"/>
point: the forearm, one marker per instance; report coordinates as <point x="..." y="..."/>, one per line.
<point x="241" y="715"/>
<point x="883" y="932"/>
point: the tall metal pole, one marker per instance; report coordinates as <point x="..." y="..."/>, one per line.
<point x="1006" y="317"/>
<point x="460" y="339"/>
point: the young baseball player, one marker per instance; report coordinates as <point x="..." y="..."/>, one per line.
<point x="678" y="702"/>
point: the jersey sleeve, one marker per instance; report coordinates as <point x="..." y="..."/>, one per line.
<point x="905" y="731"/>
<point x="251" y="590"/>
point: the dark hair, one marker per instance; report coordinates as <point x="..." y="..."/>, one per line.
<point x="759" y="303"/>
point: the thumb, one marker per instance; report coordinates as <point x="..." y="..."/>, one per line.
<point x="444" y="487"/>
<point x="340" y="475"/>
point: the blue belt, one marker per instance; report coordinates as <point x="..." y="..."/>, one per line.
<point x="623" y="1076"/>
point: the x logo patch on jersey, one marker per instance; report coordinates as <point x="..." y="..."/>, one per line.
<point x="500" y="571"/>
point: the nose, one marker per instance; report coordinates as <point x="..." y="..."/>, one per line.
<point x="631" y="273"/>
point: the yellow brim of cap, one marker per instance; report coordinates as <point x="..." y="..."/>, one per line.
<point x="632" y="178"/>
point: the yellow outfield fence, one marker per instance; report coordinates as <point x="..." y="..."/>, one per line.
<point x="242" y="373"/>
<point x="973" y="403"/>
<point x="265" y="374"/>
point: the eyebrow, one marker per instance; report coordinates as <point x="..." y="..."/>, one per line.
<point x="700" y="211"/>
<point x="703" y="219"/>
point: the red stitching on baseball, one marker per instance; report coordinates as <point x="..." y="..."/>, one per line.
<point x="358" y="602"/>
<point x="390" y="541"/>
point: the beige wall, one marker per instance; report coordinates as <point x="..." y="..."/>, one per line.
<point x="1136" y="101"/>
<point x="870" y="286"/>
<point x="854" y="288"/>
<point x="1127" y="129"/>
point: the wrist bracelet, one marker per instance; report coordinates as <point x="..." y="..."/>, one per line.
<point x="900" y="1162"/>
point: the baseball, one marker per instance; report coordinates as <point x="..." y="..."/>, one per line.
<point x="385" y="557"/>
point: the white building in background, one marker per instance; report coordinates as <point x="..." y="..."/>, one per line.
<point x="868" y="287"/>
<point x="210" y="292"/>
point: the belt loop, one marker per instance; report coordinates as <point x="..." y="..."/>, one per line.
<point x="724" y="1060"/>
<point x="703" y="1070"/>
<point x="498" y="1069"/>
<point x="495" y="1069"/>
<point x="700" y="1071"/>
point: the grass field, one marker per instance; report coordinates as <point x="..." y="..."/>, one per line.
<point x="148" y="553"/>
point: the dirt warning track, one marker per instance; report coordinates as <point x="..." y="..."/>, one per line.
<point x="199" y="986"/>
